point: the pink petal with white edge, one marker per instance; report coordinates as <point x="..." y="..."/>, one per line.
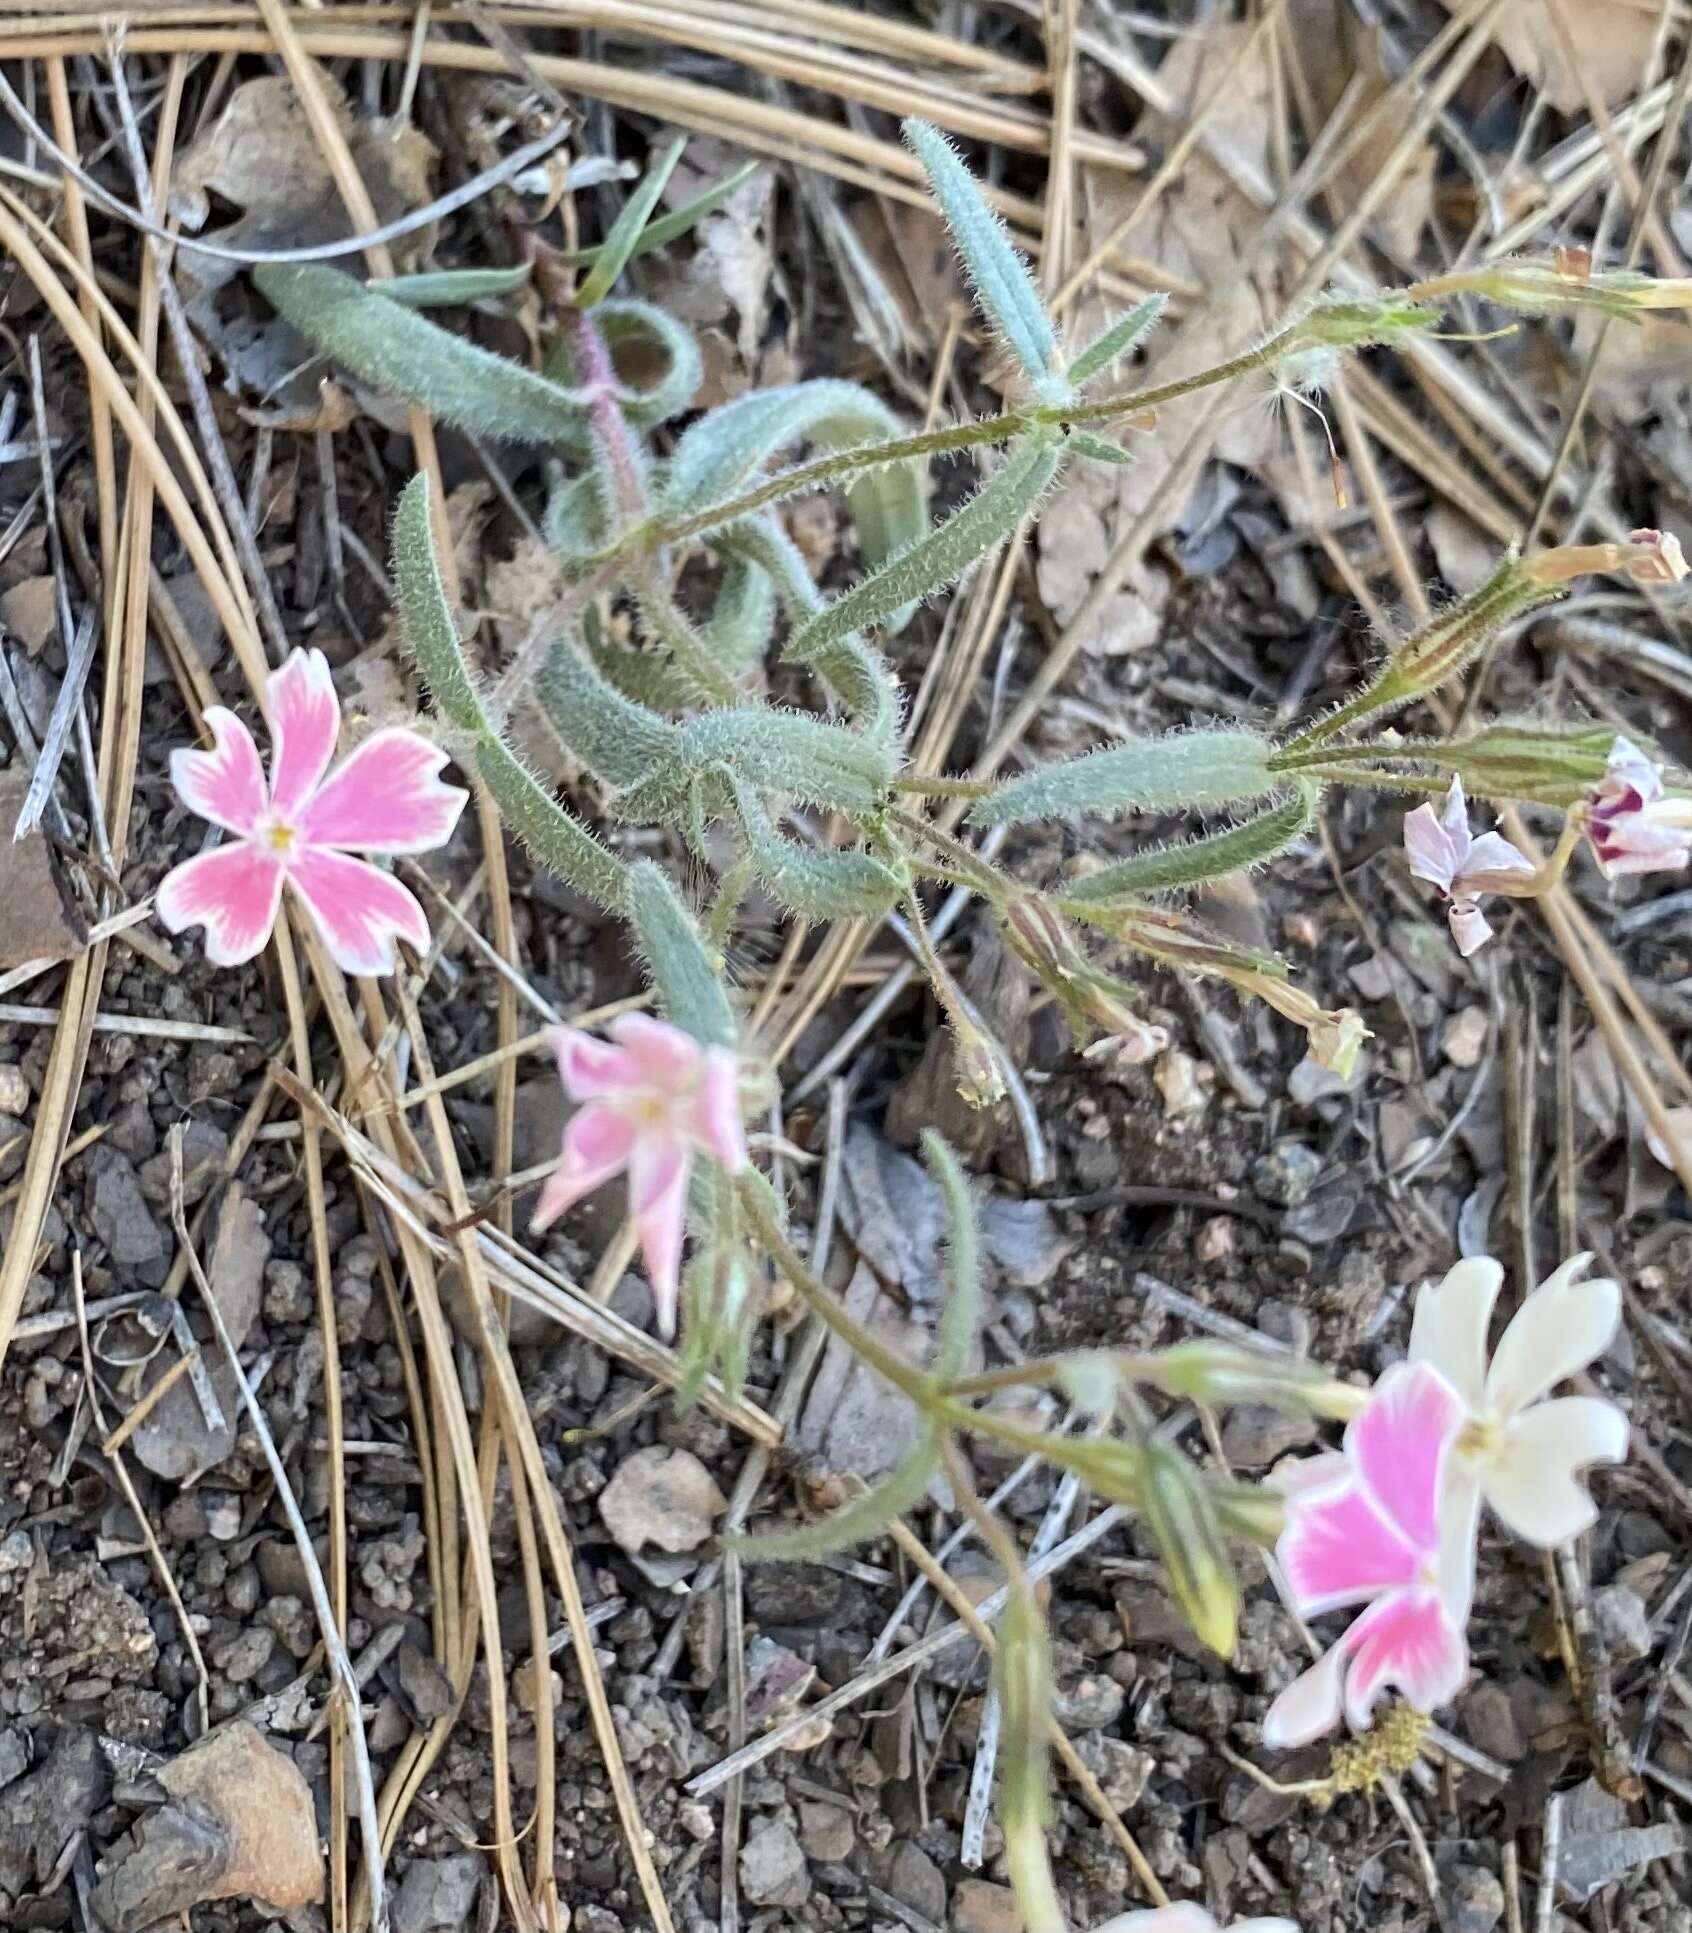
<point x="1532" y="1481"/>
<point x="1339" y="1548"/>
<point x="1451" y="1322"/>
<point x="662" y="1056"/>
<point x="1398" y="1443"/>
<point x="597" y="1144"/>
<point x="232" y="892"/>
<point x="1432" y="853"/>
<point x="658" y="1175"/>
<point x="1310" y="1707"/>
<point x="359" y="910"/>
<point x="718" y="1125"/>
<point x="591" y="1069"/>
<point x="305" y="721"/>
<point x="387" y="797"/>
<point x="1565" y="1324"/>
<point x="226" y="784"/>
<point x="1406" y="1640"/>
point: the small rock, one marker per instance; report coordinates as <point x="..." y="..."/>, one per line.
<point x="1623" y="1623"/>
<point x="1476" y="1900"/>
<point x="1121" y="1768"/>
<point x="235" y="1266"/>
<point x="259" y="1794"/>
<point x="423" y="1687"/>
<point x="661" y="1496"/>
<point x="914" y="1879"/>
<point x="773" y="1869"/>
<point x="41" y="921"/>
<point x="204" y="1147"/>
<point x="30" y="611"/>
<point x="173" y="1440"/>
<point x="1491" y="1724"/>
<point x="1462" y="1039"/>
<point x="1091" y="1704"/>
<point x="978" y="1906"/>
<point x="1310" y="1081"/>
<point x="38" y="1815"/>
<point x="439" y="1895"/>
<point x="1177" y="1077"/>
<point x="14" y="1090"/>
<point x="1256" y="1436"/>
<point x="244" y="1657"/>
<point x="123" y="1221"/>
<point x="826" y="1832"/>
<point x="1599" y="1846"/>
<point x="1287" y="1173"/>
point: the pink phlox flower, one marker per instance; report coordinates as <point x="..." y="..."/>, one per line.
<point x="648" y="1100"/>
<point x="1372" y="1525"/>
<point x="302" y="824"/>
<point x="1186" y="1916"/>
<point x="1633" y="826"/>
<point x="1520" y="1453"/>
<point x="1442" y="850"/>
<point x="1658" y="559"/>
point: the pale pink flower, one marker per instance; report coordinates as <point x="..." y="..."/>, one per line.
<point x="649" y="1100"/>
<point x="1372" y="1525"/>
<point x="386" y="797"/>
<point x="1657" y="559"/>
<point x="1442" y="850"/>
<point x="1633" y="827"/>
<point x="1185" y="1916"/>
<point x="1521" y="1454"/>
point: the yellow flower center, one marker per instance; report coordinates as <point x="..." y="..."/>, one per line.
<point x="279" y="837"/>
<point x="1479" y="1438"/>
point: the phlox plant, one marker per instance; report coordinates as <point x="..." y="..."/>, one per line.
<point x="678" y="731"/>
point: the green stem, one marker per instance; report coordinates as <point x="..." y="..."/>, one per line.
<point x="987" y="880"/>
<point x="933" y="785"/>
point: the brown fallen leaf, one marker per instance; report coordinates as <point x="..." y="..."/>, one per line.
<point x="30" y="612"/>
<point x="1611" y="40"/>
<point x="41" y="919"/>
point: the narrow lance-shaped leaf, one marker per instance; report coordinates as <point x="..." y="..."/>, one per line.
<point x="997" y="273"/>
<point x="1183" y="770"/>
<point x="742" y="619"/>
<point x="619" y="244"/>
<point x="793" y="753"/>
<point x="625" y="320"/>
<point x="563" y="846"/>
<point x="394" y="349"/>
<point x="619" y="741"/>
<point x="1210" y="857"/>
<point x="938" y="559"/>
<point x="1117" y="340"/>
<point x="960" y="1317"/>
<point x="671" y="227"/>
<point x="902" y="1489"/>
<point x="813" y="882"/>
<point x="1097" y="449"/>
<point x="1022" y="1677"/>
<point x="690" y="989"/>
<point x="451" y="287"/>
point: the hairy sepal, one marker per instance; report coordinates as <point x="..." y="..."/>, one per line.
<point x="1187" y="863"/>
<point x="812" y="882"/>
<point x="1184" y="770"/>
<point x="902" y="1489"/>
<point x="689" y="986"/>
<point x="396" y="350"/>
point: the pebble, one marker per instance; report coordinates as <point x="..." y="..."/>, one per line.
<point x="259" y="1794"/>
<point x="14" y="1090"/>
<point x="1256" y="1436"/>
<point x="1623" y="1623"/>
<point x="1462" y="1040"/>
<point x="1475" y="1901"/>
<point x="773" y="1869"/>
<point x="915" y="1880"/>
<point x="826" y="1832"/>
<point x="125" y="1223"/>
<point x="661" y="1496"/>
<point x="1287" y="1173"/>
<point x="978" y="1906"/>
<point x="439" y="1895"/>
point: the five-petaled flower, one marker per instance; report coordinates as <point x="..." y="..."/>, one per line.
<point x="1520" y="1453"/>
<point x="1633" y="825"/>
<point x="1374" y="1525"/>
<point x="301" y="826"/>
<point x="1442" y="850"/>
<point x="648" y="1100"/>
<point x="1185" y="1916"/>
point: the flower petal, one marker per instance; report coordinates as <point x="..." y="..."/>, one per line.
<point x="232" y="892"/>
<point x="359" y="910"/>
<point x="1398" y="1443"/>
<point x="1564" y="1325"/>
<point x="226" y="784"/>
<point x="1454" y="814"/>
<point x="1405" y="1640"/>
<point x="661" y="1055"/>
<point x="1493" y="857"/>
<point x="718" y="1125"/>
<point x="1470" y="928"/>
<point x="591" y="1069"/>
<point x="1432" y="852"/>
<point x="1531" y="1481"/>
<point x="1452" y="1318"/>
<point x="387" y="797"/>
<point x="597" y="1144"/>
<point x="1180" y="1916"/>
<point x="305" y="721"/>
<point x="1459" y="1534"/>
<point x="1339" y="1548"/>
<point x="1309" y="1707"/>
<point x="658" y="1171"/>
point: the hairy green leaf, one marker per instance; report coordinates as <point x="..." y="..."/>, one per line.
<point x="449" y="287"/>
<point x="1181" y="771"/>
<point x="557" y="840"/>
<point x="902" y="1489"/>
<point x="742" y="619"/>
<point x="1192" y="860"/>
<point x="690" y="989"/>
<point x="619" y="741"/>
<point x="650" y="678"/>
<point x="1120" y="337"/>
<point x="394" y="349"/>
<point x="811" y="881"/>
<point x="666" y="395"/>
<point x="1099" y="449"/>
<point x="671" y="227"/>
<point x="960" y="1317"/>
<point x="574" y="522"/>
<point x="940" y="558"/>
<point x="619" y="244"/>
<point x="780" y="751"/>
<point x="998" y="274"/>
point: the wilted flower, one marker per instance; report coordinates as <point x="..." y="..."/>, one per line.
<point x="1633" y="827"/>
<point x="1442" y="850"/>
<point x="299" y="826"/>
<point x="650" y="1100"/>
<point x="1375" y="1525"/>
<point x="1657" y="557"/>
<point x="1185" y="1916"/>
<point x="1521" y="1453"/>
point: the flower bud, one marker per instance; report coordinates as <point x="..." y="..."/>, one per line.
<point x="1221" y="1374"/>
<point x="1178" y="1509"/>
<point x="1359" y="322"/>
<point x="975" y="1064"/>
<point x="1251" y="1512"/>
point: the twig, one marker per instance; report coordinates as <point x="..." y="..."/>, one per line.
<point x="1550" y="1857"/>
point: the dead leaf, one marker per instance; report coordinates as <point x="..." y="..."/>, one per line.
<point x="1600" y="1847"/>
<point x="1077" y="531"/>
<point x="1611" y="38"/>
<point x="42" y="921"/>
<point x="915" y="259"/>
<point x="30" y="611"/>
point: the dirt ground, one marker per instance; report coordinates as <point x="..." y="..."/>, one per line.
<point x="1233" y="573"/>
